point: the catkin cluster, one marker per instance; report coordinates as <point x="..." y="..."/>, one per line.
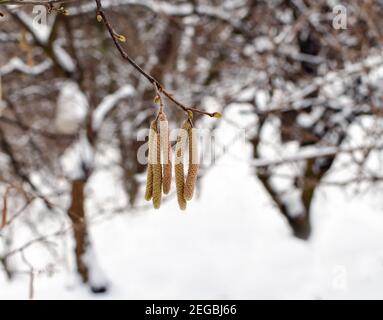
<point x="159" y="172"/>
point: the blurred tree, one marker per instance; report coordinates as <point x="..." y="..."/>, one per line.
<point x="69" y="97"/>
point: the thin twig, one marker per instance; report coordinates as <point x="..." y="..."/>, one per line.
<point x="35" y="2"/>
<point x="157" y="85"/>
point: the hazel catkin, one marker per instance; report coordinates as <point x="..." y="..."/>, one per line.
<point x="179" y="164"/>
<point x="149" y="183"/>
<point x="149" y="177"/>
<point x="166" y="153"/>
<point x="157" y="171"/>
<point x="191" y="178"/>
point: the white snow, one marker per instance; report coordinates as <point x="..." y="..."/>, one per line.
<point x="78" y="157"/>
<point x="63" y="58"/>
<point x="108" y="103"/>
<point x="96" y="275"/>
<point x="41" y="31"/>
<point x="230" y="244"/>
<point x="291" y="200"/>
<point x="16" y="64"/>
<point x="72" y="108"/>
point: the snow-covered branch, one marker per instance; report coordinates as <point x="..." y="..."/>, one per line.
<point x="108" y="103"/>
<point x="314" y="153"/>
<point x="42" y="35"/>
<point x="16" y="64"/>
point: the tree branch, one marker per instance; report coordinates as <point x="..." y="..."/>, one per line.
<point x="157" y="85"/>
<point x="35" y="2"/>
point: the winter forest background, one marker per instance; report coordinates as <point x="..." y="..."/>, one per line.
<point x="289" y="196"/>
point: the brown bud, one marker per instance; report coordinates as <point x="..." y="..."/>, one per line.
<point x="120" y="37"/>
<point x="157" y="99"/>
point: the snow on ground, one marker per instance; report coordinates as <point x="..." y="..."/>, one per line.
<point x="230" y="244"/>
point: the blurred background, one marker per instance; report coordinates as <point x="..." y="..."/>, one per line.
<point x="289" y="196"/>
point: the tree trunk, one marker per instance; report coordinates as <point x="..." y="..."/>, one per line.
<point x="83" y="249"/>
<point x="301" y="226"/>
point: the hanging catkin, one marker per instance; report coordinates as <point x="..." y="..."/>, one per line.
<point x="157" y="171"/>
<point x="179" y="164"/>
<point x="166" y="153"/>
<point x="149" y="183"/>
<point x="191" y="178"/>
<point x="149" y="178"/>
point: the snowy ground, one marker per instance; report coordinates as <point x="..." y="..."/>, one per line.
<point x="231" y="244"/>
